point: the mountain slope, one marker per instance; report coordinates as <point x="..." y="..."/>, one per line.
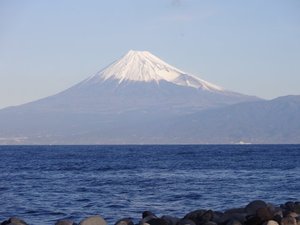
<point x="274" y="121"/>
<point x="139" y="80"/>
<point x="260" y="122"/>
<point x="131" y="101"/>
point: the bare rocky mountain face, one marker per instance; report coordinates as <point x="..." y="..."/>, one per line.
<point x="138" y="99"/>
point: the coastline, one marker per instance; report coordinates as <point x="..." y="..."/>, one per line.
<point x="256" y="212"/>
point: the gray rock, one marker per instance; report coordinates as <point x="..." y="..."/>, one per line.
<point x="65" y="222"/>
<point x="210" y="223"/>
<point x="186" y="222"/>
<point x="297" y="207"/>
<point x="14" y="221"/>
<point x="231" y="216"/>
<point x="253" y="206"/>
<point x="293" y="214"/>
<point x="288" y="221"/>
<point x="264" y="214"/>
<point x="125" y="221"/>
<point x="146" y="219"/>
<point x="217" y="216"/>
<point x="277" y="218"/>
<point x="195" y="214"/>
<point x="291" y="207"/>
<point x="157" y="221"/>
<point x="270" y="222"/>
<point x="200" y="216"/>
<point x="93" y="220"/>
<point x="253" y="220"/>
<point x="234" y="222"/>
<point x="148" y="213"/>
<point x="235" y="210"/>
<point x="206" y="217"/>
<point x="170" y="220"/>
<point x="276" y="211"/>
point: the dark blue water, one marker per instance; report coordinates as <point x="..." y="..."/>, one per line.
<point x="44" y="183"/>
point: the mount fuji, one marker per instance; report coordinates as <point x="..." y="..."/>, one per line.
<point x="132" y="99"/>
<point x="139" y="81"/>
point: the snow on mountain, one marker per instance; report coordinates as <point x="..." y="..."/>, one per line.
<point x="145" y="67"/>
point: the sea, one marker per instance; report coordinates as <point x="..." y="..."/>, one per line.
<point x="42" y="184"/>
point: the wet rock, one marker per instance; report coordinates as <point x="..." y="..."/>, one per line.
<point x="233" y="222"/>
<point x="170" y="220"/>
<point x="146" y="219"/>
<point x="291" y="207"/>
<point x="65" y="222"/>
<point x="4" y="222"/>
<point x="235" y="210"/>
<point x="125" y="221"/>
<point x="93" y="220"/>
<point x="194" y="215"/>
<point x="148" y="213"/>
<point x="200" y="217"/>
<point x="206" y="217"/>
<point x="253" y="220"/>
<point x="276" y="211"/>
<point x="186" y="222"/>
<point x="217" y="216"/>
<point x="253" y="206"/>
<point x="288" y="221"/>
<point x="210" y="223"/>
<point x="277" y="218"/>
<point x="297" y="207"/>
<point x="157" y="221"/>
<point x="229" y="217"/>
<point x="293" y="214"/>
<point x="14" y="221"/>
<point x="147" y="216"/>
<point x="270" y="222"/>
<point x="264" y="214"/>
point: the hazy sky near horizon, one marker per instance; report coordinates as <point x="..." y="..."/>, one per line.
<point x="252" y="47"/>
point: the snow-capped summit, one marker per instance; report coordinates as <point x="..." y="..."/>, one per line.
<point x="145" y="67"/>
<point x="142" y="81"/>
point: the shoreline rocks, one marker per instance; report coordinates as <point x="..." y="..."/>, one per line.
<point x="256" y="212"/>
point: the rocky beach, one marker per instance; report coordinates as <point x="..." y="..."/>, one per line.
<point x="257" y="212"/>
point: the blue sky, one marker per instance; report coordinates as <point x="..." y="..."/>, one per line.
<point x="252" y="47"/>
